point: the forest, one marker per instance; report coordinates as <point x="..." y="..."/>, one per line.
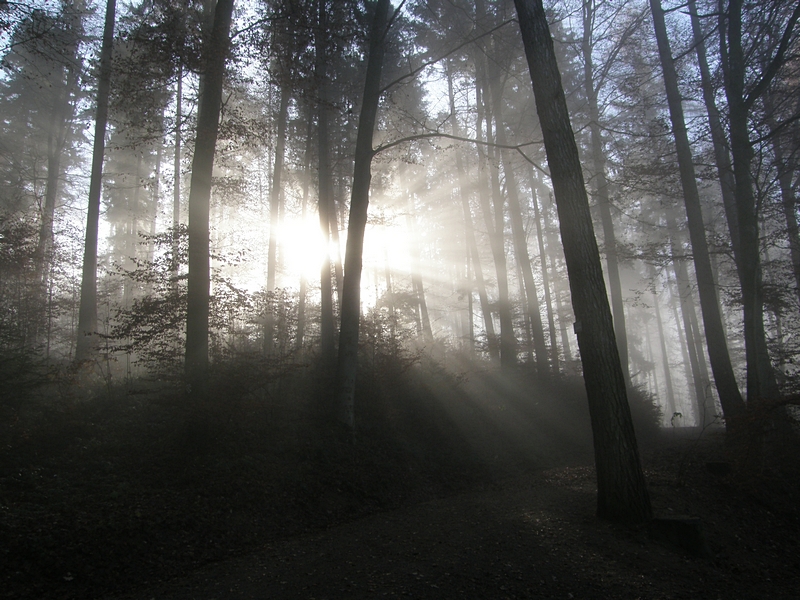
<point x="270" y="266"/>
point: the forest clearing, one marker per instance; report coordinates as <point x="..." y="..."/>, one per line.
<point x="278" y="272"/>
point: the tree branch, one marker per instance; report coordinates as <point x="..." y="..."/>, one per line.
<point x="776" y="63"/>
<point x="457" y="138"/>
<point x="428" y="63"/>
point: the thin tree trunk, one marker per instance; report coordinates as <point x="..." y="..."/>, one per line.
<point x="621" y="490"/>
<point x="551" y="325"/>
<point x="730" y="398"/>
<point x="176" y="190"/>
<point x="416" y="271"/>
<point x="721" y="156"/>
<point x="603" y="200"/>
<point x="703" y="404"/>
<point x="691" y="381"/>
<point x="325" y="186"/>
<point x="199" y="281"/>
<point x="87" y="312"/>
<point x="301" y="303"/>
<point x="347" y="365"/>
<point x="761" y="382"/>
<point x="275" y="202"/>
<point x="492" y="205"/>
<point x="552" y="244"/>
<point x="520" y="239"/>
<point x="665" y="360"/>
<point x="472" y="245"/>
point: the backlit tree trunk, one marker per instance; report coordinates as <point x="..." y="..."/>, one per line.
<point x="347" y="365"/>
<point x="761" y="383"/>
<point x="621" y="490"/>
<point x="730" y="398"/>
<point x="601" y="188"/>
<point x="87" y="313"/>
<point x="199" y="280"/>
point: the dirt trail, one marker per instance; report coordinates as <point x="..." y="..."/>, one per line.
<point x="537" y="538"/>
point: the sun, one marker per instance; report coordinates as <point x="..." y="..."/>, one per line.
<point x="302" y="250"/>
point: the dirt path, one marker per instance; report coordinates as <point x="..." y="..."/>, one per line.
<point x="537" y="538"/>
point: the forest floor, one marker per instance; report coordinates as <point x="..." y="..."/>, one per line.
<point x="106" y="500"/>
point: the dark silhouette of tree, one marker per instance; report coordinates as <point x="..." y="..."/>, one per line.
<point x="621" y="490"/>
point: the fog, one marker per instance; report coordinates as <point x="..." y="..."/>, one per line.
<point x="432" y="282"/>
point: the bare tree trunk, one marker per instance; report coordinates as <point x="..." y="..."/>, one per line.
<point x="603" y="200"/>
<point x="275" y="202"/>
<point x="551" y="325"/>
<point x="621" y="491"/>
<point x="347" y="365"/>
<point x="761" y="382"/>
<point x="199" y="281"/>
<point x="519" y="237"/>
<point x="730" y="398"/>
<point x="301" y="303"/>
<point x="720" y="145"/>
<point x="665" y="360"/>
<point x="472" y="245"/>
<point x="325" y="201"/>
<point x="176" y="190"/>
<point x="492" y="205"/>
<point x="552" y="243"/>
<point x="87" y="312"/>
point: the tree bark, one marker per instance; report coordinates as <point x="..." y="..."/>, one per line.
<point x="730" y="398"/>
<point x="199" y="280"/>
<point x="721" y="156"/>
<point x="325" y="189"/>
<point x="494" y="216"/>
<point x="176" y="189"/>
<point x="761" y="382"/>
<point x="601" y="188"/>
<point x="347" y="365"/>
<point x="621" y="491"/>
<point x="87" y="312"/>
<point x="472" y="245"/>
<point x="275" y="201"/>
<point x="520" y="239"/>
<point x="551" y="324"/>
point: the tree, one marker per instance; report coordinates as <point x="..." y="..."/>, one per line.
<point x="87" y="315"/>
<point x="761" y="383"/>
<point x="216" y="52"/>
<point x="347" y="364"/>
<point x="621" y="491"/>
<point x="730" y="398"/>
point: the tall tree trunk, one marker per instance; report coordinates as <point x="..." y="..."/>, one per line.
<point x="87" y="312"/>
<point x="519" y="236"/>
<point x="552" y="244"/>
<point x="788" y="196"/>
<point x="347" y="365"/>
<point x="704" y="404"/>
<point x="721" y="156"/>
<point x="275" y="201"/>
<point x="176" y="190"/>
<point x="601" y="188"/>
<point x="551" y="325"/>
<point x="301" y="303"/>
<point x="730" y="398"/>
<point x="199" y="281"/>
<point x="416" y="271"/>
<point x="325" y="186"/>
<point x="665" y="360"/>
<point x="689" y="361"/>
<point x="621" y="491"/>
<point x="472" y="245"/>
<point x="492" y="205"/>
<point x="761" y="382"/>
